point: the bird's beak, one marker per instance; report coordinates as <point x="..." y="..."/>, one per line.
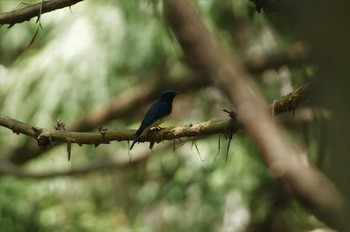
<point x="177" y="93"/>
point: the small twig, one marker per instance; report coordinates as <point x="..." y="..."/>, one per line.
<point x="229" y="133"/>
<point x="69" y="148"/>
<point x="48" y="138"/>
<point x="199" y="154"/>
<point x="228" y="148"/>
<point x="60" y="125"/>
<point x="217" y="154"/>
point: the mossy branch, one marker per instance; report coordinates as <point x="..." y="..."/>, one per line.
<point x="49" y="137"/>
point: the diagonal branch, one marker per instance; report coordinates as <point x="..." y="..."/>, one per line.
<point x="27" y="13"/>
<point x="281" y="155"/>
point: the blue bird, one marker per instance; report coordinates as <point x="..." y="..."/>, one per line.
<point x="156" y="114"/>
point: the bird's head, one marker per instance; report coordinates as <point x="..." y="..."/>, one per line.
<point x="168" y="95"/>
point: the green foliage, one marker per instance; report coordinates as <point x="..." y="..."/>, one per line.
<point x="19" y="211"/>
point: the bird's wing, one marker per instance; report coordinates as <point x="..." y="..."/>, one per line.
<point x="158" y="110"/>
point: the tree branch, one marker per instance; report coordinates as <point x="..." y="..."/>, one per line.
<point x="9" y="168"/>
<point x="47" y="138"/>
<point x="293" y="99"/>
<point x="27" y="13"/>
<point x="296" y="55"/>
<point x="282" y="156"/>
<point x="121" y="106"/>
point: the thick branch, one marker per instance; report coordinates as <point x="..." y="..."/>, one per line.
<point x="47" y="137"/>
<point x="281" y="155"/>
<point x="27" y="13"/>
<point x="121" y="106"/>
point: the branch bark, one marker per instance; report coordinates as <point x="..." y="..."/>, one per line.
<point x="282" y="156"/>
<point x="48" y="138"/>
<point x="9" y="168"/>
<point x="121" y="106"/>
<point x="27" y="13"/>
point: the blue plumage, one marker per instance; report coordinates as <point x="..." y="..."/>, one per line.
<point x="156" y="113"/>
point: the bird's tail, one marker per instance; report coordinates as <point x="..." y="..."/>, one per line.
<point x="134" y="141"/>
<point x="137" y="136"/>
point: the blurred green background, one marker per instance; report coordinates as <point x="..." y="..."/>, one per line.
<point x="88" y="54"/>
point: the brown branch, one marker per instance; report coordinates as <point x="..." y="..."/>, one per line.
<point x="27" y="13"/>
<point x="116" y="163"/>
<point x="47" y="138"/>
<point x="296" y="55"/>
<point x="282" y="156"/>
<point x="293" y="99"/>
<point x="132" y="99"/>
<point x="121" y="106"/>
<point x="120" y="161"/>
<point x="9" y="168"/>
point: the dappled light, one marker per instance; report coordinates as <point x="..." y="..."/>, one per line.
<point x="255" y="139"/>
